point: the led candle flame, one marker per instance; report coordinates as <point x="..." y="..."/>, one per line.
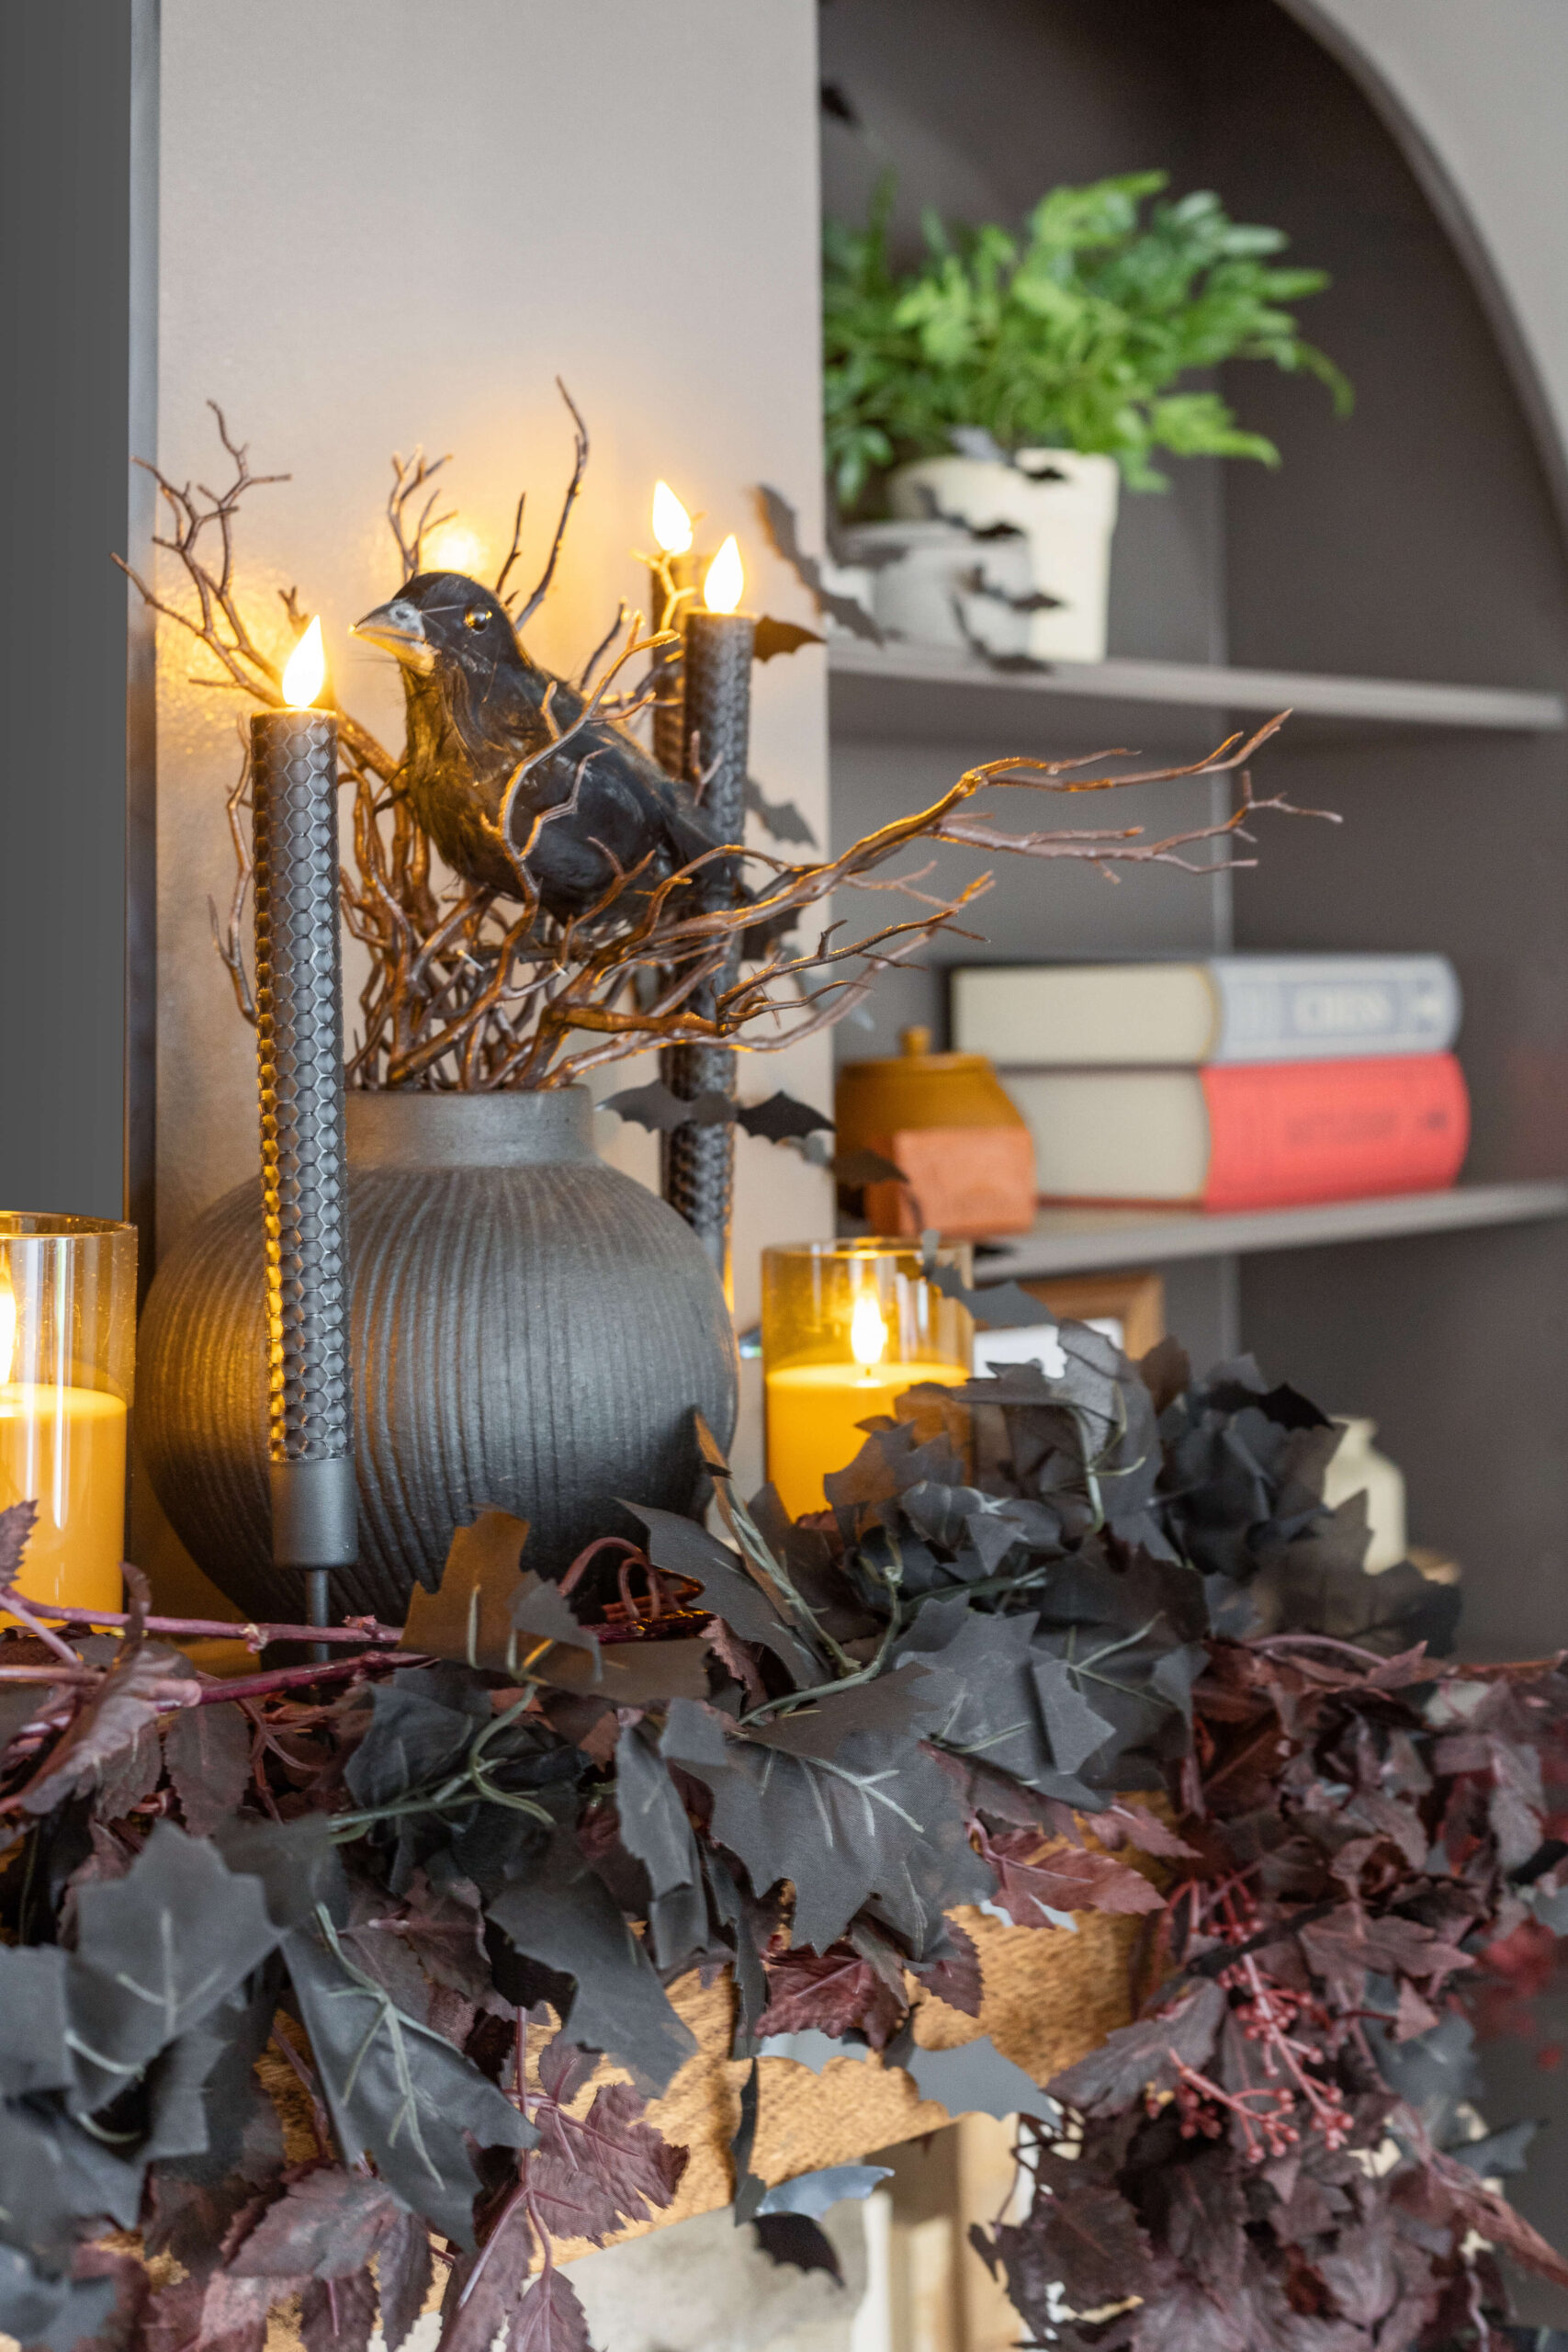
<point x="868" y="1333"/>
<point x="725" y="579"/>
<point x="671" y="523"/>
<point x="305" y="674"/>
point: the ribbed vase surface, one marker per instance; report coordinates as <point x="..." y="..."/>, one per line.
<point x="531" y="1329"/>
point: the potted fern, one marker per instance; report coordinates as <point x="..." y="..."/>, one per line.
<point x="1011" y="383"/>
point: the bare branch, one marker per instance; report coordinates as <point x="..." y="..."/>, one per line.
<point x="409" y="477"/>
<point x="579" y="467"/>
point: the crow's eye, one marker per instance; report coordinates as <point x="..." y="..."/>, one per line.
<point x="477" y="616"/>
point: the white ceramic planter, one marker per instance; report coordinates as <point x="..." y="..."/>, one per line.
<point x="1358" y="1468"/>
<point x="1063" y="503"/>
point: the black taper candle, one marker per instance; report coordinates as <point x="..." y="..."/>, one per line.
<point x="699" y="1162"/>
<point x="300" y="1058"/>
<point x="674" y="572"/>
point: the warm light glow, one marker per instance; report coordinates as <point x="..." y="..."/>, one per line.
<point x="305" y="675"/>
<point x="868" y="1332"/>
<point x="7" y="1328"/>
<point x="671" y="523"/>
<point x="725" y="580"/>
<point x="454" y="547"/>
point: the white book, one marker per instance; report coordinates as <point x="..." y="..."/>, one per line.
<point x="1226" y="1008"/>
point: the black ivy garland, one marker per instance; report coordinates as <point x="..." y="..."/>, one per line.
<point x="792" y="1754"/>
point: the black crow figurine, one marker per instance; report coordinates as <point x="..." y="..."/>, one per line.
<point x="477" y="709"/>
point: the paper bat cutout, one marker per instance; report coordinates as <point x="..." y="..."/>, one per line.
<point x="796" y="2239"/>
<point x="771" y="637"/>
<point x="811" y="2193"/>
<point x="810" y="2049"/>
<point x="654" y="1107"/>
<point x="976" y="2079"/>
<point x="862" y="1167"/>
<point x="783" y="527"/>
<point x="1004" y="1305"/>
<point x="780" y="1116"/>
<point x="781" y="819"/>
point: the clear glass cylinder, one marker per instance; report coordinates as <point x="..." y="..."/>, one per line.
<point x="847" y="1327"/>
<point x="67" y="1362"/>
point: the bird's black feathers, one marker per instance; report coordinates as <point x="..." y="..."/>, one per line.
<point x="477" y="709"/>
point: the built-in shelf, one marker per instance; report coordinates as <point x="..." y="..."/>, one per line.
<point x="1072" y="1241"/>
<point x="871" y="677"/>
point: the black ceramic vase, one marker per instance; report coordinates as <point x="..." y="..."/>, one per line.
<point x="531" y="1329"/>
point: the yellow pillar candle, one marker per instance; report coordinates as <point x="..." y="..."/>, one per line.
<point x="814" y="1411"/>
<point x="852" y="1326"/>
<point x="64" y="1449"/>
<point x="67" y="1339"/>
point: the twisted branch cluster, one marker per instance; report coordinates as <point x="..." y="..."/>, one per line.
<point x="471" y="991"/>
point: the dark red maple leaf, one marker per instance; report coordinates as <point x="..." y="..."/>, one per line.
<point x="955" y="1977"/>
<point x="591" y="2173"/>
<point x="550" y="2318"/>
<point x="1033" y="1876"/>
<point x="835" y="1992"/>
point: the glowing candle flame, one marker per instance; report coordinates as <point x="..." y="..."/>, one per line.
<point x="7" y="1328"/>
<point x="671" y="523"/>
<point x="868" y="1332"/>
<point x="307" y="669"/>
<point x="725" y="580"/>
<point x="454" y="547"/>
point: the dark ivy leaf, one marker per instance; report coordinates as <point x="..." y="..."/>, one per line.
<point x="34" y="2056"/>
<point x="880" y="1819"/>
<point x="60" y="2311"/>
<point x="156" y="1952"/>
<point x="563" y="1915"/>
<point x="397" y="2092"/>
<point x="653" y="1821"/>
<point x="682" y="1548"/>
<point x="208" y="1752"/>
<point x="468" y="1616"/>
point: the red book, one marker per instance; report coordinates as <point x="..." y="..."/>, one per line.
<point x="1333" y="1131"/>
<point x="1248" y="1135"/>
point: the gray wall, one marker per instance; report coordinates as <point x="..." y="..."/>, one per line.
<point x="380" y="228"/>
<point x="75" y="229"/>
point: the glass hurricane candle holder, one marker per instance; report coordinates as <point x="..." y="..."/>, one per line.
<point x="847" y="1327"/>
<point x="67" y="1356"/>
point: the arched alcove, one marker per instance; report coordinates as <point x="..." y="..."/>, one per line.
<point x="1420" y="540"/>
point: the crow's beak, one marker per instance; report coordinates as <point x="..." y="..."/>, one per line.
<point x="399" y="628"/>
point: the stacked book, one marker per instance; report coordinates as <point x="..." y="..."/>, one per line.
<point x="1242" y="1082"/>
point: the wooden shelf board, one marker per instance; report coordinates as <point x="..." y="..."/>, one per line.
<point x="1200" y="686"/>
<point x="1074" y="1241"/>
